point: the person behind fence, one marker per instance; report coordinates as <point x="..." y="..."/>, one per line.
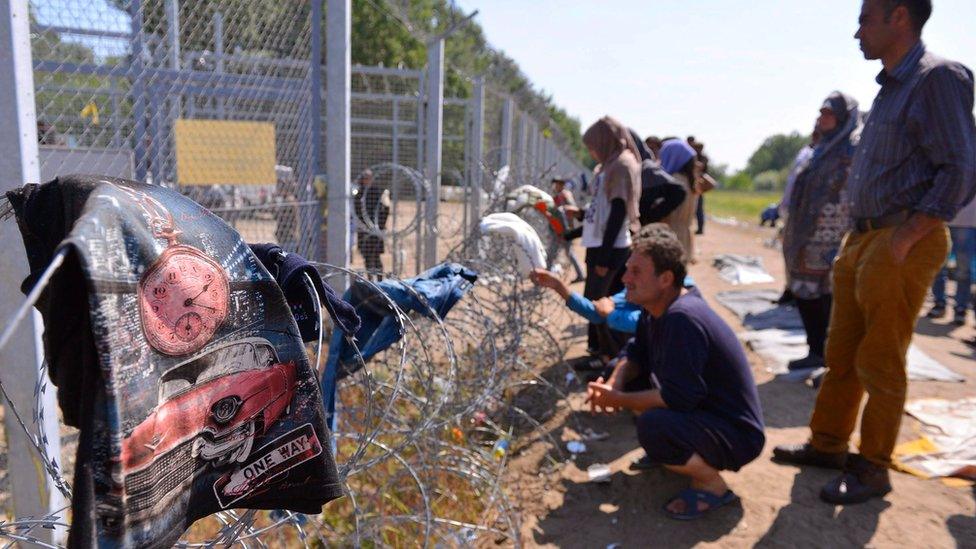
<point x="565" y="203"/>
<point x="680" y="161"/>
<point x="610" y="218"/>
<point x="962" y="231"/>
<point x="914" y="169"/>
<point x="372" y="206"/>
<point x="686" y="376"/>
<point x="818" y="218"/>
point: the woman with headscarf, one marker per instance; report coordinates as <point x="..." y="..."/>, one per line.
<point x="680" y="160"/>
<point x="610" y="218"/>
<point x="818" y="219"/>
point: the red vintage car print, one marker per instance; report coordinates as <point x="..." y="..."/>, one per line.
<point x="211" y="409"/>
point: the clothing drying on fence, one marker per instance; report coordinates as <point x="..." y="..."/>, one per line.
<point x="435" y="291"/>
<point x="289" y="271"/>
<point x="175" y="354"/>
<point x="529" y="249"/>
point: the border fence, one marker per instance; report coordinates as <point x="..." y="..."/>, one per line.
<point x="253" y="109"/>
<point x="216" y="99"/>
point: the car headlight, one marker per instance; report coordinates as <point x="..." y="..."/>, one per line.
<point x="225" y="409"/>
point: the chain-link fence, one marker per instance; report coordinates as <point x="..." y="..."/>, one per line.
<point x="215" y="99"/>
<point x="223" y="100"/>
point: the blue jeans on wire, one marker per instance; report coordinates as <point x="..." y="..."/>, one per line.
<point x="964" y="248"/>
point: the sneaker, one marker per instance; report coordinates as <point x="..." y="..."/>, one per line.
<point x="809" y="362"/>
<point x="805" y="454"/>
<point x="937" y="311"/>
<point x="861" y="481"/>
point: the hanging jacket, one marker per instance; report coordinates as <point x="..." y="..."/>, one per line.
<point x="437" y="290"/>
<point x="175" y="354"/>
<point x="289" y="270"/>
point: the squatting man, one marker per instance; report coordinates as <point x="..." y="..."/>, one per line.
<point x="686" y="377"/>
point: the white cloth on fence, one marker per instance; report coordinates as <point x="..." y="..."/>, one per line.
<point x="527" y="196"/>
<point x="951" y="426"/>
<point x="530" y="251"/>
<point x="741" y="269"/>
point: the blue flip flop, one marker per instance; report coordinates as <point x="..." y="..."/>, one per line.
<point x="691" y="497"/>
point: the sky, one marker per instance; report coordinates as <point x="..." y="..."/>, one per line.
<point x="729" y="72"/>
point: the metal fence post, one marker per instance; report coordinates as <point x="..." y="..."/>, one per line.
<point x="338" y="51"/>
<point x="138" y="93"/>
<point x="433" y="137"/>
<point x="477" y="139"/>
<point x="505" y="156"/>
<point x="311" y="219"/>
<point x="218" y="23"/>
<point x="32" y="491"/>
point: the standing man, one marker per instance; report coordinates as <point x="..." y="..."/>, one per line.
<point x="371" y="203"/>
<point x="913" y="171"/>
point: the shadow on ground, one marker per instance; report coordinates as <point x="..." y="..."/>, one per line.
<point x="628" y="508"/>
<point x="786" y="404"/>
<point x="808" y="522"/>
<point x="963" y="528"/>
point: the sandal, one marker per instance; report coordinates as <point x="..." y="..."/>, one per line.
<point x="691" y="497"/>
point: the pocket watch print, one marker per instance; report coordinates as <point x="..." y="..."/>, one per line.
<point x="183" y="295"/>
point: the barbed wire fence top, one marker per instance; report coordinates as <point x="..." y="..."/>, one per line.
<point x="216" y="99"/>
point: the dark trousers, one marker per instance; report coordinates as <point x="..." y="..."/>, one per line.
<point x="815" y="314"/>
<point x="601" y="339"/>
<point x="371" y="246"/>
<point x="700" y="213"/>
<point x="672" y="437"/>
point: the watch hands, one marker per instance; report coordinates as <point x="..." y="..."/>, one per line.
<point x="204" y="306"/>
<point x="189" y="300"/>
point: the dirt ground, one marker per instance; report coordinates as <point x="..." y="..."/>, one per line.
<point x="779" y="504"/>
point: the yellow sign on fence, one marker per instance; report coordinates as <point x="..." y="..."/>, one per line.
<point x="225" y="152"/>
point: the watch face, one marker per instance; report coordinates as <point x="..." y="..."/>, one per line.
<point x="182" y="300"/>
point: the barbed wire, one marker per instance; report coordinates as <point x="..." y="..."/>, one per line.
<point x="425" y="428"/>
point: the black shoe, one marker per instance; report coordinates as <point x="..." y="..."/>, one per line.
<point x="786" y="298"/>
<point x="937" y="311"/>
<point x="587" y="363"/>
<point x="643" y="463"/>
<point x="861" y="481"/>
<point x="959" y="318"/>
<point x="805" y="454"/>
<point x="809" y="362"/>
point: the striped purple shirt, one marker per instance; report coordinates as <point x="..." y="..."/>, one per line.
<point x="918" y="148"/>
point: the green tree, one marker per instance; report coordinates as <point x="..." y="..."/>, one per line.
<point x="776" y="153"/>
<point x="738" y="182"/>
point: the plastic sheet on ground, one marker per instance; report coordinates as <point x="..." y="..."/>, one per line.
<point x="775" y="333"/>
<point x="948" y="446"/>
<point x="741" y="269"/>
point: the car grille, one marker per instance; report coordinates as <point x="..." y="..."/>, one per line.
<point x="145" y="488"/>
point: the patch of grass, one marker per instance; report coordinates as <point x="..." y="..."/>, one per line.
<point x="742" y="205"/>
